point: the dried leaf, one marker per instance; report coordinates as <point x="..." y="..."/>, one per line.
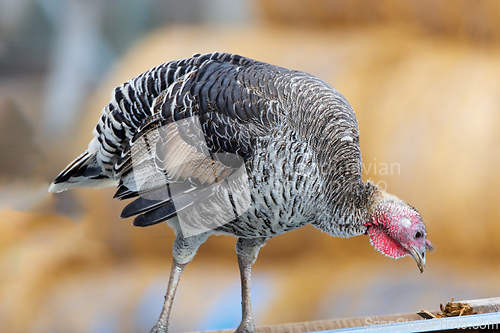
<point x="450" y="309"/>
<point x="426" y="314"/>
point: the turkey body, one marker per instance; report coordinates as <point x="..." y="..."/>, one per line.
<point x="219" y="143"/>
<point x="295" y="134"/>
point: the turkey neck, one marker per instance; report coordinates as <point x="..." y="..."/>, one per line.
<point x="323" y="118"/>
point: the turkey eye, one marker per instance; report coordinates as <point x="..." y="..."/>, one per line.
<point x="418" y="235"/>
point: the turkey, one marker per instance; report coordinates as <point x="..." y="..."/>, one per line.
<point x="223" y="144"/>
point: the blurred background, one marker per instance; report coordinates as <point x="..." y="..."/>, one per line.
<point x="422" y="76"/>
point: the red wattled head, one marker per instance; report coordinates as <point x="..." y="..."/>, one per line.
<point x="397" y="230"/>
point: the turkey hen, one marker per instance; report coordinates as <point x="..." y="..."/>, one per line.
<point x="223" y="144"/>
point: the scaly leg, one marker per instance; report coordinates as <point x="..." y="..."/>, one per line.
<point x="175" y="276"/>
<point x="183" y="252"/>
<point x="247" y="250"/>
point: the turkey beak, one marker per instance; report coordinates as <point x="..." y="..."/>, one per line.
<point x="419" y="257"/>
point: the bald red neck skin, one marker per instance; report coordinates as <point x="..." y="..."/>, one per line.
<point x="384" y="243"/>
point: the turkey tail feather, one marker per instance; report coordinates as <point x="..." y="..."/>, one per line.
<point x="84" y="172"/>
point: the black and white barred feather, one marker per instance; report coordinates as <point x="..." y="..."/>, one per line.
<point x="197" y="121"/>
